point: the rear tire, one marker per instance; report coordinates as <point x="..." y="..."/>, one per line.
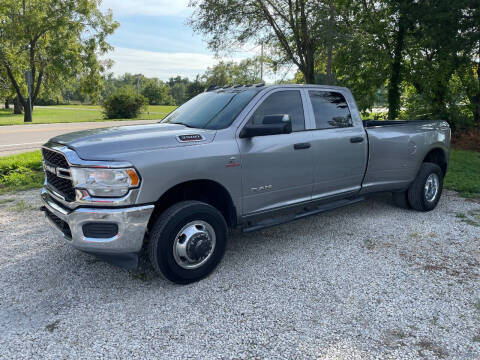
<point x="425" y="191"/>
<point x="187" y="241"/>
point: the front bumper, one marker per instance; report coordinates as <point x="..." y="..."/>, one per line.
<point x="131" y="222"/>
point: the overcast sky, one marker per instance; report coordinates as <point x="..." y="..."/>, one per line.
<point x="153" y="39"/>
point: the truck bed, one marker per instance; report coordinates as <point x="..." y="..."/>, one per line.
<point x="375" y="123"/>
<point x="397" y="148"/>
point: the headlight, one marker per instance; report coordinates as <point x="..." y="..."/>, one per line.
<point x="105" y="182"/>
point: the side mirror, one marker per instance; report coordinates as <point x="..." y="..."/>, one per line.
<point x="252" y="130"/>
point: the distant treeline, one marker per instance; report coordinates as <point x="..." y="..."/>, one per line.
<point x="174" y="91"/>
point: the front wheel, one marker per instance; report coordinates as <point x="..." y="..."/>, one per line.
<point x="187" y="241"/>
<point x="425" y="191"/>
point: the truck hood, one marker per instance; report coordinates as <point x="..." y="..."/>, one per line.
<point x="111" y="143"/>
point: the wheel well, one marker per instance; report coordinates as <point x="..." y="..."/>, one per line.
<point x="207" y="191"/>
<point x="437" y="156"/>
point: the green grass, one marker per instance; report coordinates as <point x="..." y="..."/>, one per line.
<point x="21" y="172"/>
<point x="24" y="171"/>
<point x="76" y="113"/>
<point x="464" y="173"/>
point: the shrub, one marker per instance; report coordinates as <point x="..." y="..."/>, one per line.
<point x="124" y="105"/>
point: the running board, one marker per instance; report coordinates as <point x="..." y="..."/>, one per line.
<point x="287" y="218"/>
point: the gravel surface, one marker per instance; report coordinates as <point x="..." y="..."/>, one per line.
<point x="366" y="281"/>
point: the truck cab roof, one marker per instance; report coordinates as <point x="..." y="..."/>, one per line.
<point x="260" y="87"/>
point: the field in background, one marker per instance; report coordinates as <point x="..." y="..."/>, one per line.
<point x="24" y="171"/>
<point x="76" y="113"/>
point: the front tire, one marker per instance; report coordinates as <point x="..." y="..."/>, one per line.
<point x="425" y="191"/>
<point x="187" y="241"/>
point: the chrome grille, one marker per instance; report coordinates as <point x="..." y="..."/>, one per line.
<point x="54" y="158"/>
<point x="57" y="179"/>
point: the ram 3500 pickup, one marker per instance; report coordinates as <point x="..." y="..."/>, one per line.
<point x="241" y="156"/>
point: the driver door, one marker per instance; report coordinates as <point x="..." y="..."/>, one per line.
<point x="277" y="170"/>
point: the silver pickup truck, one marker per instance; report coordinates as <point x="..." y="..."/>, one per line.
<point x="243" y="157"/>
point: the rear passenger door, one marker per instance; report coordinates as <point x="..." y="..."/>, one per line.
<point x="339" y="144"/>
<point x="277" y="169"/>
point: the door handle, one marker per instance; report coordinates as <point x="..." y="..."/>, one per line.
<point x="300" y="146"/>
<point x="358" y="139"/>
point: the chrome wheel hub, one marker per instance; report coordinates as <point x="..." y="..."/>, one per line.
<point x="431" y="187"/>
<point x="194" y="244"/>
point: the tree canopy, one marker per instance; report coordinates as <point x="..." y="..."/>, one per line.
<point x="293" y="27"/>
<point x="230" y="73"/>
<point x="425" y="54"/>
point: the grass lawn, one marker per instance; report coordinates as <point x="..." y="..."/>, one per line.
<point x="76" y="113"/>
<point x="21" y="172"/>
<point x="464" y="173"/>
<point x="24" y="171"/>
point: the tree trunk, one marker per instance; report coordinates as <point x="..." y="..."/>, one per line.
<point x="329" y="64"/>
<point x="476" y="100"/>
<point x="309" y="72"/>
<point x="17" y="106"/>
<point x="310" y="77"/>
<point x="476" y="110"/>
<point x="396" y="73"/>
<point x="331" y="24"/>
<point x="27" y="116"/>
<point x="7" y="103"/>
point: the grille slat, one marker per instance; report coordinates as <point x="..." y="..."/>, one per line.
<point x="54" y="158"/>
<point x="63" y="186"/>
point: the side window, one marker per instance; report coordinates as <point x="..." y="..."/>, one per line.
<point x="330" y="110"/>
<point x="281" y="106"/>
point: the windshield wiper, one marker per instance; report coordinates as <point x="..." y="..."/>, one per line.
<point x="186" y="125"/>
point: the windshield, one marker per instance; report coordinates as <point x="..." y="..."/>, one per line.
<point x="212" y="110"/>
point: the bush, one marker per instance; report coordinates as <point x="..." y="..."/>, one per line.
<point x="467" y="139"/>
<point x="47" y="102"/>
<point x="124" y="105"/>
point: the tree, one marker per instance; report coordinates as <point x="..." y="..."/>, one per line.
<point x="157" y="93"/>
<point x="4" y="89"/>
<point x="179" y="92"/>
<point x="379" y="32"/>
<point x="230" y="73"/>
<point x="469" y="73"/>
<point x="194" y="88"/>
<point x="296" y="31"/>
<point x="434" y="55"/>
<point x="55" y="40"/>
<point x="403" y="43"/>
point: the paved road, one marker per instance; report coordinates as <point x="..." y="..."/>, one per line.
<point x="20" y="138"/>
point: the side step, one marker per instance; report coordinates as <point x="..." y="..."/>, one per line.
<point x="291" y="217"/>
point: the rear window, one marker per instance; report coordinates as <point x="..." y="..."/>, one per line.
<point x="330" y="110"/>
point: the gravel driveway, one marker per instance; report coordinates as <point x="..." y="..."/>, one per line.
<point x="367" y="281"/>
